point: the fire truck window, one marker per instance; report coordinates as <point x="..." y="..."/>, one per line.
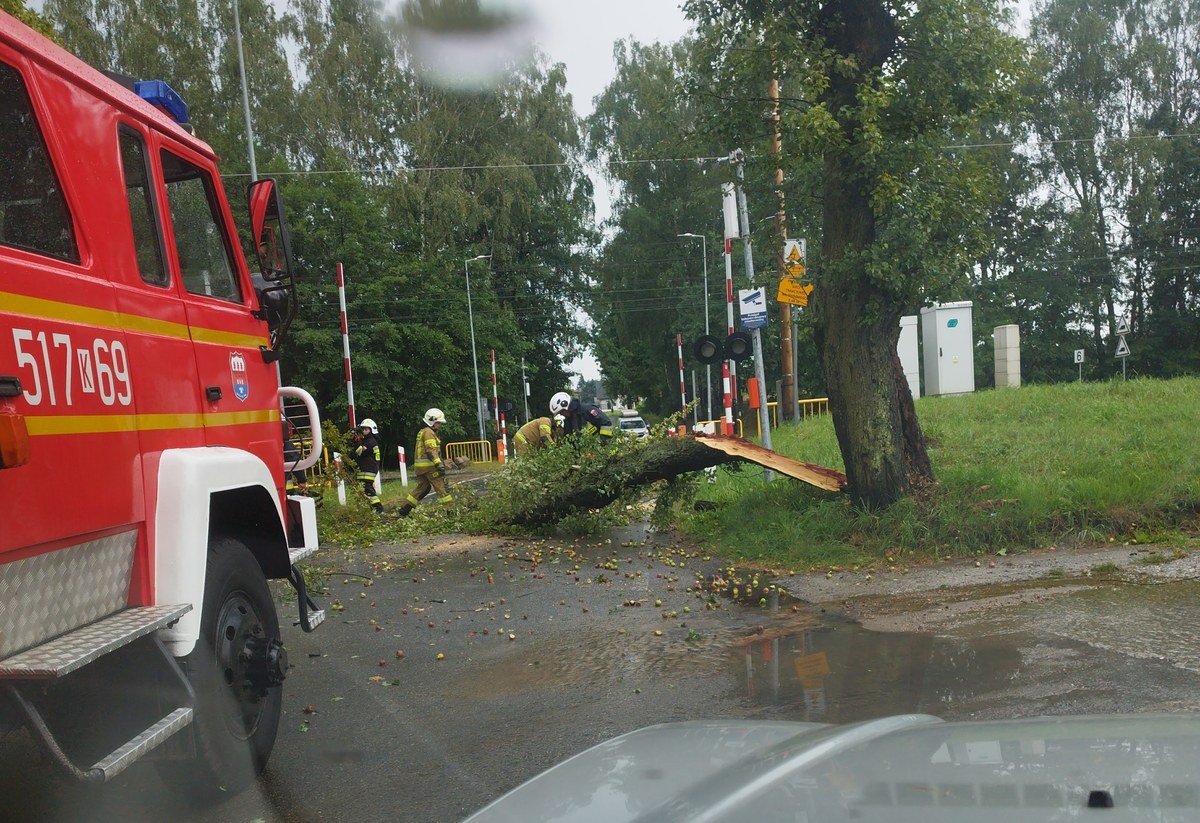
<point x="147" y="239"/>
<point x="205" y="262"/>
<point x="33" y="212"/>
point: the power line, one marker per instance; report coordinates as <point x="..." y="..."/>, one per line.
<point x="381" y="172"/>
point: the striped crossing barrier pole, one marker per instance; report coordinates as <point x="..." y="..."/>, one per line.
<point x="403" y="467"/>
<point x="502" y="443"/>
<point x="729" y="308"/>
<point x="682" y="384"/>
<point x="727" y="426"/>
<point x="341" y="282"/>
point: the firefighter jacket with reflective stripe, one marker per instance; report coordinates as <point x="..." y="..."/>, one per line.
<point x="579" y="415"/>
<point x="537" y="433"/>
<point x="428" y="453"/>
<point x="366" y="456"/>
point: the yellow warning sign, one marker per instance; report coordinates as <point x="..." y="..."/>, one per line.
<point x="791" y="290"/>
<point x="793" y="257"/>
<point x="811" y="669"/>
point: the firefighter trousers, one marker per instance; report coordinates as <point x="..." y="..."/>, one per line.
<point x="431" y="480"/>
<point x="368" y="487"/>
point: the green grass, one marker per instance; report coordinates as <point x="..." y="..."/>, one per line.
<point x="1015" y="469"/>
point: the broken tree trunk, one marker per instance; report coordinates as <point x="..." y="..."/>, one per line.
<point x="599" y="478"/>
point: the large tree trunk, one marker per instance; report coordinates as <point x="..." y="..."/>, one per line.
<point x="856" y="324"/>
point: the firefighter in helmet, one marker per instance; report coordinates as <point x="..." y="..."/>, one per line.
<point x="427" y="463"/>
<point x="537" y="434"/>
<point x="366" y="456"/>
<point x="577" y="415"/>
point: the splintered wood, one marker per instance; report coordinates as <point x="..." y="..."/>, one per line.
<point x="811" y="473"/>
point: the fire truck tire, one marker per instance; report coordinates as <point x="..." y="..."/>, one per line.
<point x="237" y="703"/>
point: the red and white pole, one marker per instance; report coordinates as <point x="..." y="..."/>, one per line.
<point x="403" y="466"/>
<point x="729" y="367"/>
<point x="495" y="396"/>
<point x="682" y="384"/>
<point x="341" y="281"/>
<point x="727" y="428"/>
<point x="502" y="443"/>
<point x="732" y="231"/>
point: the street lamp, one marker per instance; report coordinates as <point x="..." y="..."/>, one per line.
<point x="707" y="368"/>
<point x="471" y="321"/>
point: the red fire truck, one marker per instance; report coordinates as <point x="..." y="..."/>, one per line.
<point x="142" y="433"/>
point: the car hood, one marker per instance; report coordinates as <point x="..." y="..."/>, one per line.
<point x="902" y="768"/>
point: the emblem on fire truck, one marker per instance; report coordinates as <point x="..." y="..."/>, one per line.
<point x="237" y="370"/>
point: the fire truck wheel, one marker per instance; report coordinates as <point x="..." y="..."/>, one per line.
<point x="236" y="670"/>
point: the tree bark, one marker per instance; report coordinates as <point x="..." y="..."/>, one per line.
<point x="856" y="323"/>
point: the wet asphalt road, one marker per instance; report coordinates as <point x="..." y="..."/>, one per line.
<point x="541" y="659"/>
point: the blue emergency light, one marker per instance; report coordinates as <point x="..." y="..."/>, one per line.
<point x="163" y="97"/>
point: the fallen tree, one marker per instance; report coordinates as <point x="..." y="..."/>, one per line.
<point x="542" y="489"/>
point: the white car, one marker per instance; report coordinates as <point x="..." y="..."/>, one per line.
<point x="633" y="424"/>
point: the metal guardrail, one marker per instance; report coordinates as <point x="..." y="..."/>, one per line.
<point x="808" y="408"/>
<point x="814" y="407"/>
<point x="478" y="451"/>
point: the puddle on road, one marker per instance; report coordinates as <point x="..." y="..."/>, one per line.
<point x="838" y="672"/>
<point x="1102" y="648"/>
<point x="1086" y="650"/>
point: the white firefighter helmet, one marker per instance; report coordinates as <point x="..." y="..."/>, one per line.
<point x="369" y="424"/>
<point x="433" y="416"/>
<point x="559" y="402"/>
<point x="559" y="420"/>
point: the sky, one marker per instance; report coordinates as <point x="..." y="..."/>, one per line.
<point x="580" y="34"/>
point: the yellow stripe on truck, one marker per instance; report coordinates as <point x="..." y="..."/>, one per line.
<point x="42" y="309"/>
<point x="109" y="423"/>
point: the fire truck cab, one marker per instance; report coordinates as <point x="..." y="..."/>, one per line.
<point x="143" y="502"/>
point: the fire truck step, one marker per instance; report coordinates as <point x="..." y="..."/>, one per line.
<point x="68" y="652"/>
<point x="315" y="618"/>
<point x="296" y="555"/>
<point x="133" y="751"/>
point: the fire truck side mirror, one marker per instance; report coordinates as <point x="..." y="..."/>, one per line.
<point x="276" y="281"/>
<point x="270" y="231"/>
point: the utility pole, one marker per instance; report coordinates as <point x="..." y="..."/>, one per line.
<point x="525" y="389"/>
<point x="788" y="400"/>
<point x="237" y="30"/>
<point x="474" y="358"/>
<point x="707" y="368"/>
<point x="744" y="219"/>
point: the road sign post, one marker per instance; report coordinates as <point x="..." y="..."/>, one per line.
<point x="1122" y="352"/>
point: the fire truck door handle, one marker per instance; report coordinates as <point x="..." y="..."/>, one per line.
<point x="213" y="393"/>
<point x="10" y="386"/>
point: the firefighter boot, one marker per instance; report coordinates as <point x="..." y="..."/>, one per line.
<point x="378" y="507"/>
<point x="404" y="510"/>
